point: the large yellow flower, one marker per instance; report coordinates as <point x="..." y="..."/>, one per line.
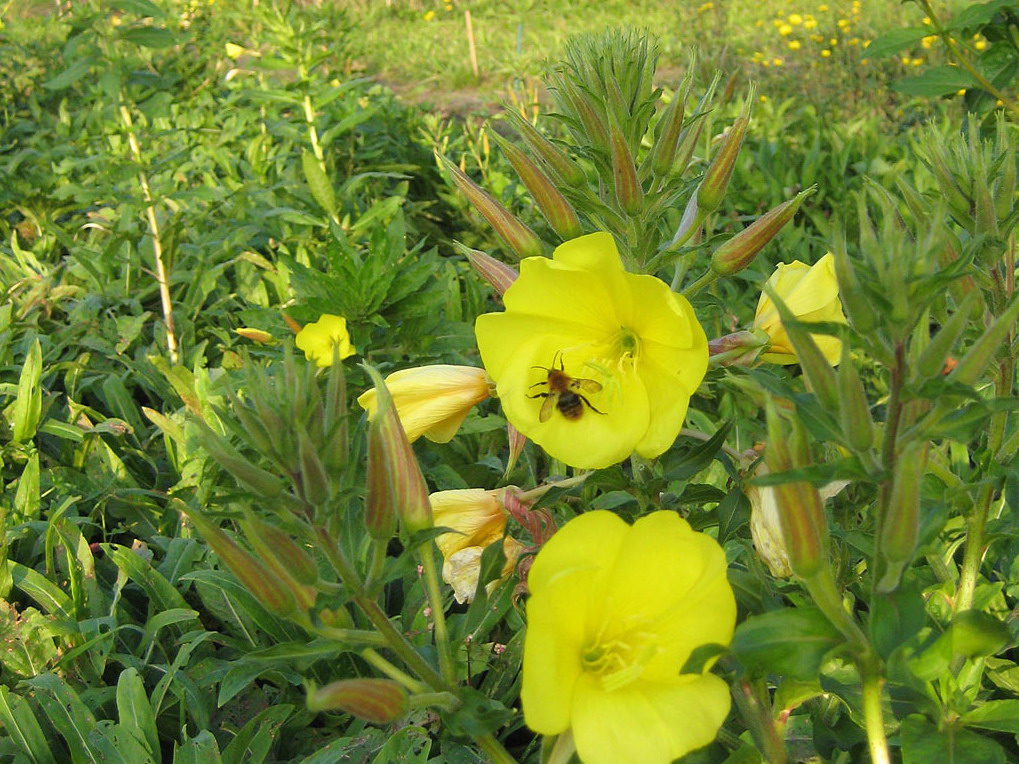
<point x="318" y="339"/>
<point x="812" y="294"/>
<point x="592" y="362"/>
<point x="614" y="614"/>
<point x="432" y="400"/>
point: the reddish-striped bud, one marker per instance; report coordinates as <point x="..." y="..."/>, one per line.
<point x="495" y="272"/>
<point x="377" y="701"/>
<point x="670" y="129"/>
<point x="739" y="251"/>
<point x="557" y="160"/>
<point x="396" y="487"/>
<point x="629" y="192"/>
<point x="712" y="189"/>
<point x="521" y="239"/>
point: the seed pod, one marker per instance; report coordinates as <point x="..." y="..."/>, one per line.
<point x="557" y="160"/>
<point x="254" y="576"/>
<point x="629" y="192"/>
<point x="932" y="359"/>
<point x="900" y="527"/>
<point x="553" y="205"/>
<point x="396" y="487"/>
<point x="739" y="251"/>
<point x="854" y="411"/>
<point x="495" y="272"/>
<point x="377" y="701"/>
<point x="983" y="351"/>
<point x="521" y="239"/>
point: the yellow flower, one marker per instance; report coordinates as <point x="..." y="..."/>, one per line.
<point x="479" y="520"/>
<point x="429" y="15"/>
<point x="822" y="9"/>
<point x="233" y="50"/>
<point x="614" y="613"/>
<point x="777" y="61"/>
<point x="795" y="19"/>
<point x="318" y="339"/>
<point x="592" y="362"/>
<point x="785" y="29"/>
<point x="928" y="41"/>
<point x="812" y="294"/>
<point x="810" y="23"/>
<point x="825" y="53"/>
<point x="980" y="45"/>
<point x="794" y="45"/>
<point x="432" y="400"/>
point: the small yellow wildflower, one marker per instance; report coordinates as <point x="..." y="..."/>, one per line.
<point x="825" y="53"/>
<point x="961" y="92"/>
<point x="980" y="45"/>
<point x="833" y="41"/>
<point x="760" y="23"/>
<point x="822" y="9"/>
<point x="842" y="24"/>
<point x="817" y="38"/>
<point x="928" y="42"/>
<point x="927" y="20"/>
<point x="785" y="29"/>
<point x="916" y="62"/>
<point x="795" y="19"/>
<point x="429" y="15"/>
<point x="853" y="41"/>
<point x="764" y="98"/>
<point x="794" y="45"/>
<point x="777" y="61"/>
<point x="318" y="339"/>
<point x="809" y="23"/>
<point x="705" y="7"/>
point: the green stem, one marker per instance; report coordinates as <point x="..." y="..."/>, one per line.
<point x="494" y="749"/>
<point x="755" y="708"/>
<point x="434" y="594"/>
<point x="888" y="450"/>
<point x="873" y="717"/>
<point x="447" y="701"/>
<point x="387" y="668"/>
<point x="706" y="278"/>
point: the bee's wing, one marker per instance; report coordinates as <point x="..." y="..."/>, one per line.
<point x="585" y="385"/>
<point x="548" y="407"/>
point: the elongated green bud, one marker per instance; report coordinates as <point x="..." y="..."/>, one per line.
<point x="1004" y="187"/>
<point x="377" y="701"/>
<point x="590" y="118"/>
<point x="229" y="458"/>
<point x="254" y="428"/>
<point x="854" y="411"/>
<point x="712" y="189"/>
<point x="738" y="348"/>
<point x="932" y="359"/>
<point x="900" y="527"/>
<point x="553" y="205"/>
<point x="255" y="577"/>
<point x="396" y="487"/>
<point x="957" y="200"/>
<point x="857" y="305"/>
<point x="521" y="239"/>
<point x="986" y="217"/>
<point x="495" y="272"/>
<point x="670" y="128"/>
<point x="738" y="252"/>
<point x="629" y="192"/>
<point x="815" y="366"/>
<point x="557" y="160"/>
<point x="314" y="481"/>
<point x="983" y="351"/>
<point x="279" y="551"/>
<point x="687" y="144"/>
<point x="804" y="525"/>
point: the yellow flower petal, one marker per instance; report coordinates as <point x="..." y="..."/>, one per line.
<point x="318" y="339"/>
<point x="432" y="400"/>
<point x="475" y="515"/>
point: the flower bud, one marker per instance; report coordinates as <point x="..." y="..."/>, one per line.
<point x="670" y="128"/>
<point x="377" y="701"/>
<point x="396" y="487"/>
<point x="983" y="351"/>
<point x="932" y="359"/>
<point x="687" y="143"/>
<point x="737" y="349"/>
<point x="900" y="527"/>
<point x="557" y="160"/>
<point x="712" y="189"/>
<point x="314" y="480"/>
<point x="517" y="440"/>
<point x="255" y="431"/>
<point x="588" y="116"/>
<point x="260" y="336"/>
<point x="858" y="306"/>
<point x="1004" y="187"/>
<point x="279" y="551"/>
<point x="553" y="205"/>
<point x="804" y="525"/>
<point x="738" y="252"/>
<point x="499" y="275"/>
<point x="253" y="575"/>
<point x="854" y="411"/>
<point x="521" y="239"/>
<point x="629" y="192"/>
<point x="958" y="202"/>
<point x="986" y="217"/>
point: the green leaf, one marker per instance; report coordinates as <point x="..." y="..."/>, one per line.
<point x="160" y="591"/>
<point x="70" y="75"/>
<point x="200" y="749"/>
<point x="251" y="745"/>
<point x="684" y="463"/>
<point x="116" y="745"/>
<point x="923" y="743"/>
<point x="997" y="715"/>
<point x="49" y="596"/>
<point x="68" y="715"/>
<point x="27" y="498"/>
<point x="975" y="634"/>
<point x="977" y="14"/>
<point x="318" y="182"/>
<point x="135" y="712"/>
<point x="23" y="728"/>
<point x="790" y="641"/>
<point x="28" y="406"/>
<point x="141" y="7"/>
<point x="411" y="745"/>
<point x="938" y="81"/>
<point x="149" y="37"/>
<point x="896" y="40"/>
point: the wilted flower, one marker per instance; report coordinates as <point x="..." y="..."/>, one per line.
<point x="614" y="614"/>
<point x="318" y="339"/>
<point x="812" y="294"/>
<point x="432" y="400"/>
<point x="479" y="520"/>
<point x="592" y="362"/>
<point x="766" y="528"/>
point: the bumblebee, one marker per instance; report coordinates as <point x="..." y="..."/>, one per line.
<point x="565" y="393"/>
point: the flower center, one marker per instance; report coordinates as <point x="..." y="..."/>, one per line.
<point x="626" y="345"/>
<point x="620" y="658"/>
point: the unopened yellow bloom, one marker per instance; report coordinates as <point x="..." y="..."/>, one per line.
<point x="432" y="400"/>
<point x="812" y="294"/>
<point x="478" y="520"/>
<point x="615" y="612"/>
<point x="592" y="362"/>
<point x="317" y="340"/>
